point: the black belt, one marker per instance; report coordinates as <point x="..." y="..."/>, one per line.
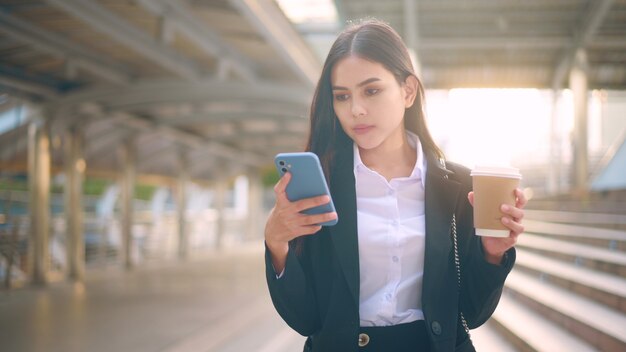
<point x="397" y="338"/>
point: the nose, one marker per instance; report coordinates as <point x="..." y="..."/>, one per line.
<point x="358" y="109"/>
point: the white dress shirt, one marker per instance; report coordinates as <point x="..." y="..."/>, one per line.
<point x="391" y="232"/>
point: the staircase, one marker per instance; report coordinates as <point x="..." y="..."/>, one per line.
<point x="567" y="291"/>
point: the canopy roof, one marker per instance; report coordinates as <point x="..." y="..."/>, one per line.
<point x="506" y="43"/>
<point x="228" y="82"/>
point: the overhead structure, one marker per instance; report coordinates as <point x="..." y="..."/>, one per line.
<point x="211" y="77"/>
<point x="231" y="80"/>
<point x="508" y="43"/>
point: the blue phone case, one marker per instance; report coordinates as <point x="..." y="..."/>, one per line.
<point x="307" y="180"/>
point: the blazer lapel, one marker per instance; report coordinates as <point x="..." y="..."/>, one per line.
<point x="344" y="233"/>
<point x="440" y="201"/>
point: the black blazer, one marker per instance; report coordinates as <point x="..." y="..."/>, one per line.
<point x="318" y="294"/>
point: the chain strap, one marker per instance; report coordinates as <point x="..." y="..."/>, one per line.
<point x="457" y="263"/>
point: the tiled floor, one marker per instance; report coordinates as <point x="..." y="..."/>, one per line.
<point x="199" y="305"/>
<point x="218" y="303"/>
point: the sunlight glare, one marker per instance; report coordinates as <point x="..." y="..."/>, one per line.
<point x="491" y="126"/>
<point x="301" y="11"/>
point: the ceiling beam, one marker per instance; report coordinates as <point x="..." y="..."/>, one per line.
<point x="498" y="43"/>
<point x="58" y="46"/>
<point x="516" y="43"/>
<point x="608" y="43"/>
<point x="105" y="21"/>
<point x="453" y="5"/>
<point x="190" y="139"/>
<point x="588" y="29"/>
<point x="102" y="144"/>
<point x="155" y="156"/>
<point x="181" y="16"/>
<point x="28" y="87"/>
<point x="226" y="117"/>
<point x="270" y="136"/>
<point x="273" y="25"/>
<point x="155" y="92"/>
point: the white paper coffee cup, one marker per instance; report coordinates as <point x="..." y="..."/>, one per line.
<point x="493" y="186"/>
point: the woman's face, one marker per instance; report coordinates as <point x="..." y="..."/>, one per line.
<point x="370" y="103"/>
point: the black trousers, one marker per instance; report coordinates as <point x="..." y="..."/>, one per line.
<point x="396" y="338"/>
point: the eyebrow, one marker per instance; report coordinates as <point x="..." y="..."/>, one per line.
<point x="367" y="81"/>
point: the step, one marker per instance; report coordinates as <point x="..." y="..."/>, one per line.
<point x="605" y="288"/>
<point x="575" y="217"/>
<point x="530" y="331"/>
<point x="597" y="324"/>
<point x="608" y="207"/>
<point x="611" y="239"/>
<point x="488" y="338"/>
<point x="613" y="262"/>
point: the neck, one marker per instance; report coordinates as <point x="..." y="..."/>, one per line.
<point x="394" y="158"/>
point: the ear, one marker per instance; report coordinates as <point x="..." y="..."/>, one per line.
<point x="410" y="87"/>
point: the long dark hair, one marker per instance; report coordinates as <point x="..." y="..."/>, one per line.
<point x="375" y="41"/>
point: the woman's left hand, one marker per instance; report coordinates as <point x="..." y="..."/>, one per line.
<point x="495" y="247"/>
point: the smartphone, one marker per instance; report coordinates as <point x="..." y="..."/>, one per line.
<point x="307" y="180"/>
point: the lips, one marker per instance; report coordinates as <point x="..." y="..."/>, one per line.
<point x="362" y="129"/>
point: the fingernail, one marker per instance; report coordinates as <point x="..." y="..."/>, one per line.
<point x="504" y="207"/>
<point x="506" y="220"/>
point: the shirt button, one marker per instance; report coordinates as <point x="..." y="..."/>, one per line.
<point x="395" y="259"/>
<point x="391" y="192"/>
<point x="364" y="339"/>
<point x="388" y="297"/>
<point x="436" y="328"/>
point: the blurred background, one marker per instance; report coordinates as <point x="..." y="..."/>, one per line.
<point x="136" y="148"/>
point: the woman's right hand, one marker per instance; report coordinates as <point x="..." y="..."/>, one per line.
<point x="286" y="221"/>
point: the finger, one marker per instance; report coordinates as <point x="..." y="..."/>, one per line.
<point x="281" y="186"/>
<point x="514" y="212"/>
<point x="516" y="227"/>
<point x="470" y="197"/>
<point x="310" y="230"/>
<point x="511" y="240"/>
<point x="319" y="218"/>
<point x="521" y="198"/>
<point x="312" y="202"/>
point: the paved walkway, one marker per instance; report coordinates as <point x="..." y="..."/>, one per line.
<point x="217" y="303"/>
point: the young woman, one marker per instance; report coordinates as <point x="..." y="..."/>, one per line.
<point x="384" y="278"/>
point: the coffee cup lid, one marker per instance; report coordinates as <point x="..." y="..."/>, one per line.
<point x="498" y="171"/>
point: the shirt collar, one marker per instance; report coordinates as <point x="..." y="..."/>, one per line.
<point x="419" y="170"/>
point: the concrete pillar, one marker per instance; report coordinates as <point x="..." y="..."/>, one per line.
<point x="39" y="186"/>
<point x="220" y="206"/>
<point x="553" y="185"/>
<point x="255" y="205"/>
<point x="74" y="175"/>
<point x="128" y="158"/>
<point x="181" y="204"/>
<point x="411" y="33"/>
<point x="578" y="84"/>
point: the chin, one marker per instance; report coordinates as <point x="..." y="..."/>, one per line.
<point x="367" y="144"/>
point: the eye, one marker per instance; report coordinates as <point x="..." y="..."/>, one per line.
<point x="341" y="97"/>
<point x="372" y="91"/>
